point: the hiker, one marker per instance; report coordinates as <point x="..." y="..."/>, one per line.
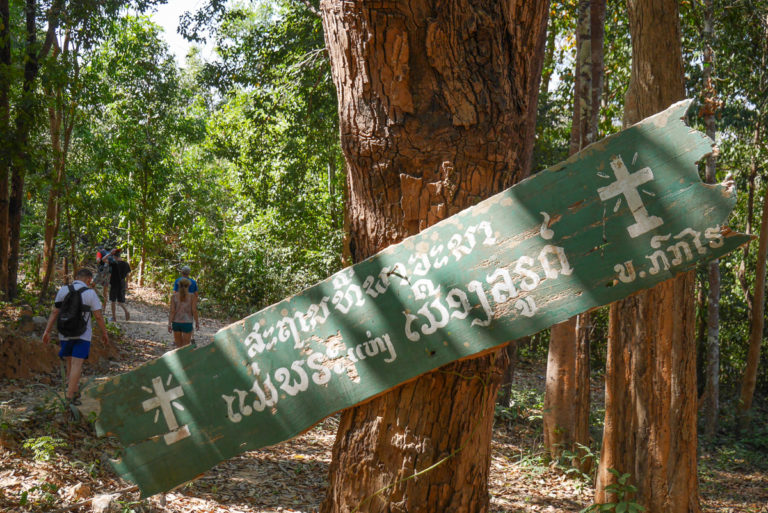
<point x="119" y="271"/>
<point x="102" y="271"/>
<point x="185" y="270"/>
<point x="73" y="307"/>
<point x="183" y="311"/>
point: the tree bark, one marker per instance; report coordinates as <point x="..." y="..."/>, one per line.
<point x="566" y="397"/>
<point x="749" y="380"/>
<point x="19" y="161"/>
<point x="650" y="422"/>
<point x="711" y="401"/>
<point x="61" y="116"/>
<point x="437" y="106"/>
<point x="5" y="142"/>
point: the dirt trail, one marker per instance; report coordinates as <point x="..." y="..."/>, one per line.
<point x="148" y="311"/>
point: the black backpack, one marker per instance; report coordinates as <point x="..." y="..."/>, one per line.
<point x="72" y="321"/>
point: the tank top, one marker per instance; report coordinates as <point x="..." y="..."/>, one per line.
<point x="183" y="311"/>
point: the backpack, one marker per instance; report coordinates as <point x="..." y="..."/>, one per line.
<point x="72" y="321"/>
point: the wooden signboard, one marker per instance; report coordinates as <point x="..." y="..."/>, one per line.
<point x="623" y="215"/>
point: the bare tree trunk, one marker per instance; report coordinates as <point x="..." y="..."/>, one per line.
<point x="650" y="422"/>
<point x="61" y="119"/>
<point x="52" y="211"/>
<point x="504" y="396"/>
<point x="749" y="380"/>
<point x="5" y="142"/>
<point x="711" y="400"/>
<point x="566" y="398"/>
<point x="437" y="108"/>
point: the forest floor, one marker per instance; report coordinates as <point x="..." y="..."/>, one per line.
<point x="50" y="462"/>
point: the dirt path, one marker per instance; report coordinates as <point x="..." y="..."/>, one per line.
<point x="288" y="477"/>
<point x="148" y="312"/>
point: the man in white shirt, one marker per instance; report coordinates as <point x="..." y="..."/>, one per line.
<point x="75" y="349"/>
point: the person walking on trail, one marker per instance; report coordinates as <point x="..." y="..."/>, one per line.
<point x="102" y="272"/>
<point x="73" y="308"/>
<point x="183" y="311"/>
<point x="185" y="270"/>
<point x="119" y="271"/>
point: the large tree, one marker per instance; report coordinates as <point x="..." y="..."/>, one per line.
<point x="650" y="423"/>
<point x="437" y="104"/>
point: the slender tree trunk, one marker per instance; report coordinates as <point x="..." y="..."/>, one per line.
<point x="61" y="119"/>
<point x="711" y="400"/>
<point x="650" y="422"/>
<point x="5" y="141"/>
<point x="72" y="251"/>
<point x="566" y="398"/>
<point x="504" y="396"/>
<point x="53" y="210"/>
<point x="437" y="108"/>
<point x="24" y="122"/>
<point x="749" y="380"/>
<point x="742" y="271"/>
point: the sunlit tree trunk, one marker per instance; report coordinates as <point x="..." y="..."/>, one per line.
<point x="437" y="105"/>
<point x="650" y="422"/>
<point x="61" y="123"/>
<point x="566" y="398"/>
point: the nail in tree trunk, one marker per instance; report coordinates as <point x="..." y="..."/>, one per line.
<point x="437" y="105"/>
<point x="566" y="398"/>
<point x="651" y="400"/>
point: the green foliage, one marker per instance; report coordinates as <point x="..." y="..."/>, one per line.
<point x="47" y="492"/>
<point x="525" y="406"/>
<point x="571" y="461"/>
<point x="44" y="447"/>
<point x="623" y="491"/>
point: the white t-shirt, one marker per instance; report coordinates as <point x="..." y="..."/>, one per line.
<point x="90" y="298"/>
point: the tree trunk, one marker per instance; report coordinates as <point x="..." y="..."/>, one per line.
<point x="437" y="108"/>
<point x="711" y="401"/>
<point x="52" y="211"/>
<point x="749" y="380"/>
<point x="24" y="122"/>
<point x="650" y="421"/>
<point x="504" y="396"/>
<point x="5" y="142"/>
<point x="61" y="116"/>
<point x="566" y="398"/>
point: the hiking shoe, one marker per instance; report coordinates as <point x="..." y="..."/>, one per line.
<point x="75" y="401"/>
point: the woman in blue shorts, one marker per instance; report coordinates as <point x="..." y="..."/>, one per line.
<point x="183" y="313"/>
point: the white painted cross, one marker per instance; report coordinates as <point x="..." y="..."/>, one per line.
<point x="627" y="185"/>
<point x="163" y="400"/>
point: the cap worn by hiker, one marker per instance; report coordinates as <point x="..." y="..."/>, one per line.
<point x="185" y="269"/>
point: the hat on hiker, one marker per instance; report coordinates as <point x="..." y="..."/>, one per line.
<point x="185" y="269"/>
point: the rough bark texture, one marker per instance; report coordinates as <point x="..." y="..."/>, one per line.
<point x="566" y="398"/>
<point x="650" y="422"/>
<point x="437" y="105"/>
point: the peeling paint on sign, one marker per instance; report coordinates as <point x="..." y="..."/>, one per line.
<point x="623" y="215"/>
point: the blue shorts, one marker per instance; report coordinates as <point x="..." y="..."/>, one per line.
<point x="184" y="327"/>
<point x="76" y="347"/>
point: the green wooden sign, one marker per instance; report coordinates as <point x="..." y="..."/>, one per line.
<point x="623" y="215"/>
